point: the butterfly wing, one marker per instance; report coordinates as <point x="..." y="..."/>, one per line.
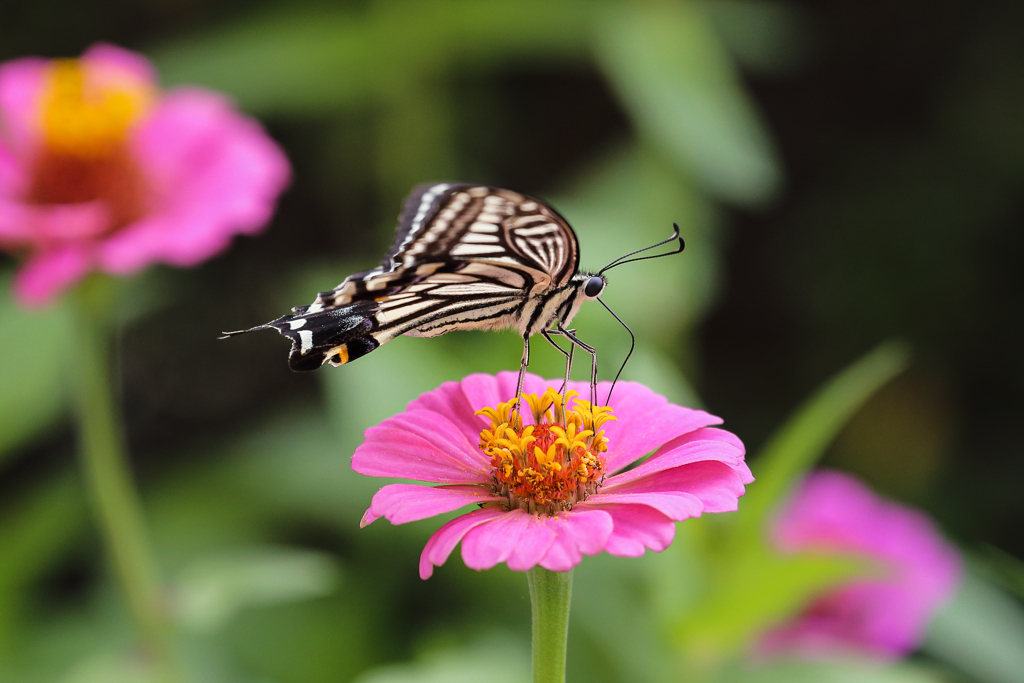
<point x="464" y="257"/>
<point x="486" y="225"/>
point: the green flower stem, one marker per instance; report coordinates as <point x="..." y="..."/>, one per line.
<point x="550" y="595"/>
<point x="112" y="493"/>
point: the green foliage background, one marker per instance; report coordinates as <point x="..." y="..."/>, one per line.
<point x="844" y="173"/>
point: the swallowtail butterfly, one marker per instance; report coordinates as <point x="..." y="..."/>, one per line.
<point x="465" y="257"/>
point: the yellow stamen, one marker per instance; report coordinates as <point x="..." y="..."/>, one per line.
<point x="548" y="460"/>
<point x="539" y="406"/>
<point x="550" y="465"/>
<point x="87" y="116"/>
<point x="500" y="415"/>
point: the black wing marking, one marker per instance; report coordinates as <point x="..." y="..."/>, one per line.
<point x="464" y="256"/>
<point x="340" y="335"/>
<point x="484" y="224"/>
<point x="419" y="209"/>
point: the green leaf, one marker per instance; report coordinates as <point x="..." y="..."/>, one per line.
<point x="838" y="671"/>
<point x="109" y="665"/>
<point x="498" y="659"/>
<point x="747" y="584"/>
<point x="798" y="445"/>
<point x="35" y="532"/>
<point x="215" y="588"/>
<point x="306" y="62"/>
<point x="676" y="80"/>
<point x="293" y="463"/>
<point x="34" y="343"/>
<point x="981" y="632"/>
<point x="763" y="36"/>
<point x="612" y="590"/>
<point x="752" y="589"/>
<point x="1001" y="567"/>
<point x="630" y="201"/>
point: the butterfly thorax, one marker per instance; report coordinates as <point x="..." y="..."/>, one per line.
<point x="543" y="311"/>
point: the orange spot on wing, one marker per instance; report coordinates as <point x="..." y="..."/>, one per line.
<point x="338" y="355"/>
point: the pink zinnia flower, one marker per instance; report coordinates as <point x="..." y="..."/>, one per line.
<point x="552" y="488"/>
<point x="883" y="616"/>
<point x="100" y="170"/>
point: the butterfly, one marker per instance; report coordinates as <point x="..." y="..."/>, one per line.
<point x="465" y="257"/>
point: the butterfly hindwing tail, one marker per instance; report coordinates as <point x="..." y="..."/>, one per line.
<point x="336" y="336"/>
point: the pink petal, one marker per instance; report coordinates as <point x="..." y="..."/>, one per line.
<point x="715" y="484"/>
<point x="48" y="226"/>
<point x="518" y="538"/>
<point x="712" y="434"/>
<point x="697" y="469"/>
<point x="483" y="391"/>
<point x="645" y="422"/>
<point x="104" y="58"/>
<point x="15" y="223"/>
<point x="21" y="84"/>
<point x="450" y="401"/>
<point x="458" y="401"/>
<point x="441" y="432"/>
<point x="638" y="528"/>
<point x="54" y="223"/>
<point x="695" y="451"/>
<point x="577" y="533"/>
<point x="48" y="273"/>
<point x="13" y="177"/>
<point x="444" y="540"/>
<point x="420" y="445"/>
<point x="675" y="505"/>
<point x="398" y="454"/>
<point x="702" y="434"/>
<point x="401" y="503"/>
<point x="886" y="616"/>
<point x="216" y="173"/>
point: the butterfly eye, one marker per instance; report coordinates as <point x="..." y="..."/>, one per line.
<point x="594" y="287"/>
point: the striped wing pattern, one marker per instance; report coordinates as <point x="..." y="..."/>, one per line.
<point x="464" y="257"/>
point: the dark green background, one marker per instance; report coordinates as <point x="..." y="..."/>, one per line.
<point x="865" y="184"/>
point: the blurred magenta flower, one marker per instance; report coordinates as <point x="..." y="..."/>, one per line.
<point x="883" y="617"/>
<point x="549" y="489"/>
<point x="100" y="170"/>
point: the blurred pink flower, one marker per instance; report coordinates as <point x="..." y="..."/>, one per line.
<point x="100" y="170"/>
<point x="883" y="617"/>
<point x="547" y="490"/>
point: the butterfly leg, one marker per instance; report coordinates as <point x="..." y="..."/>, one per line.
<point x="568" y="368"/>
<point x="568" y="356"/>
<point x="569" y="334"/>
<point x="524" y="362"/>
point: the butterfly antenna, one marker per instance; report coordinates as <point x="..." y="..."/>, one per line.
<point x="626" y="259"/>
<point x="632" y="345"/>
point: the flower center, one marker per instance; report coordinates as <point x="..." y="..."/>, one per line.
<point x="86" y="113"/>
<point x="85" y="117"/>
<point x="552" y="464"/>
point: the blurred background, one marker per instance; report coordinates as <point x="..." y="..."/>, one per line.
<point x="844" y="173"/>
